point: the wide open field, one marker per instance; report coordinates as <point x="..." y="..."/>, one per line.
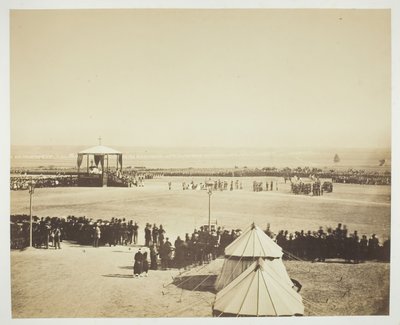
<point x="87" y="282"/>
<point x="364" y="208"/>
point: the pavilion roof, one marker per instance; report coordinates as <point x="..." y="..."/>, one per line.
<point x="100" y="150"/>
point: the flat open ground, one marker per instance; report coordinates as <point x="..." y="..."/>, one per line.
<point x="87" y="282"/>
<point x="361" y="207"/>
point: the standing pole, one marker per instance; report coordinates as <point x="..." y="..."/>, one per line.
<point x="31" y="188"/>
<point x="209" y="210"/>
<point x="30" y="215"/>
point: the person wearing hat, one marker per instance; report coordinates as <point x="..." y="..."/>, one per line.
<point x="147" y="235"/>
<point x="373" y="244"/>
<point x="135" y="233"/>
<point x="145" y="265"/>
<point x="165" y="254"/>
<point x="138" y="263"/>
<point x="153" y="257"/>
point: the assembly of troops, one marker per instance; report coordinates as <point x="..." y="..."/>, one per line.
<point x="201" y="246"/>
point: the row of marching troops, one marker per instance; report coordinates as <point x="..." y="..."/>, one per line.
<point x="223" y="185"/>
<point x="269" y="186"/>
<point x="217" y="185"/>
<point x="306" y="188"/>
<point x="333" y="243"/>
<point x="22" y="182"/>
<point x="362" y="179"/>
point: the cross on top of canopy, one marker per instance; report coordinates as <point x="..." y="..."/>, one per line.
<point x="100" y="154"/>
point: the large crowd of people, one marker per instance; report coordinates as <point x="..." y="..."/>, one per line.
<point x="361" y="179"/>
<point x="58" y="180"/>
<point x="348" y="176"/>
<point x="332" y="243"/>
<point x="136" y="177"/>
<point x="201" y="246"/>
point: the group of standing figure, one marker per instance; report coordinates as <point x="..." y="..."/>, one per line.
<point x="269" y="186"/>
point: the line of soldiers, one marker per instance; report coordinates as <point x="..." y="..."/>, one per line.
<point x="334" y="243"/>
<point x="359" y="179"/>
<point x="21" y="182"/>
<point x="269" y="186"/>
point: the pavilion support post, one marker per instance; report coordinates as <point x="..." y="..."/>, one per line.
<point x="87" y="163"/>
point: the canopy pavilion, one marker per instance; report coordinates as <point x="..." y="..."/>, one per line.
<point x="99" y="170"/>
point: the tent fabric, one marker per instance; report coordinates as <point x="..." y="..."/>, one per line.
<point x="97" y="159"/>
<point x="254" y="243"/>
<point x="100" y="150"/>
<point x="258" y="291"/>
<point x="232" y="268"/>
<point x="79" y="160"/>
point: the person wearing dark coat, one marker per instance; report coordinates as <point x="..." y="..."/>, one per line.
<point x="153" y="257"/>
<point x="154" y="233"/>
<point x="165" y="254"/>
<point x="147" y="235"/>
<point x="161" y="233"/>
<point x="145" y="266"/>
<point x="137" y="267"/>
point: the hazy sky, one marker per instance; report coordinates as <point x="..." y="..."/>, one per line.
<point x="201" y="77"/>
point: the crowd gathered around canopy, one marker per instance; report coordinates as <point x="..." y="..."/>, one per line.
<point x="58" y="180"/>
<point x="132" y="177"/>
<point x="201" y="246"/>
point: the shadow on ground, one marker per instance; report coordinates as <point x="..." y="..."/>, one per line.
<point x="126" y="276"/>
<point x="127" y="267"/>
<point x="196" y="282"/>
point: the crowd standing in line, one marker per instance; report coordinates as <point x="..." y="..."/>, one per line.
<point x="197" y="248"/>
<point x="22" y="182"/>
<point x="317" y="246"/>
<point x="269" y="186"/>
<point x="217" y="185"/>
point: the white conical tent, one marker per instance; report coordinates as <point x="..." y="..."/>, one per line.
<point x="254" y="242"/>
<point x="248" y="247"/>
<point x="258" y="291"/>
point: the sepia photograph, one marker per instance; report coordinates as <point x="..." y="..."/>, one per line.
<point x="200" y="162"/>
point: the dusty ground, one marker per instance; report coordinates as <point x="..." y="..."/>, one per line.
<point x="362" y="208"/>
<point x="88" y="282"/>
